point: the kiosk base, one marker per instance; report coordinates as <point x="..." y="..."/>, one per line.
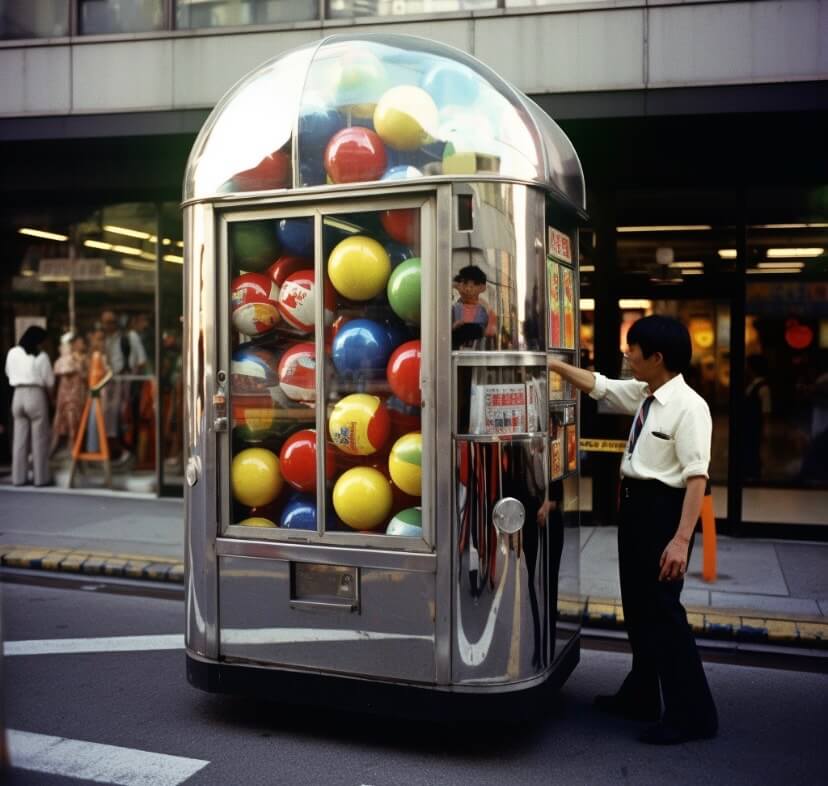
<point x="509" y="704"/>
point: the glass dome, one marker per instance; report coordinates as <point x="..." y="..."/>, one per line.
<point x="367" y="108"/>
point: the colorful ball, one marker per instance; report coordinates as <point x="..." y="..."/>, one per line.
<point x="403" y="372"/>
<point x="296" y="300"/>
<point x="359" y="82"/>
<point x="254" y="310"/>
<point x="404" y="290"/>
<point x="402" y="225"/>
<point x="401" y="172"/>
<point x="271" y="172"/>
<point x="257" y="397"/>
<point x="451" y="84"/>
<point x="361" y="347"/>
<point x="404" y="417"/>
<point x="405" y="117"/>
<point x="317" y="124"/>
<point x="299" y="513"/>
<point x="296" y="236"/>
<point x="359" y="424"/>
<point x="362" y="498"/>
<point x="397" y="252"/>
<point x="405" y="462"/>
<point x="297" y="460"/>
<point x="359" y="267"/>
<point x="285" y="266"/>
<point x="297" y="372"/>
<point x="257" y="521"/>
<point x="407" y="523"/>
<point x="255" y="477"/>
<point x="253" y="244"/>
<point x="355" y="155"/>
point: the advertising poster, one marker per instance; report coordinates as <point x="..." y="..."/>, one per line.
<point x="559" y="245"/>
<point x="568" y="307"/>
<point x="556" y="446"/>
<point x="571" y="448"/>
<point x="498" y="409"/>
<point x="553" y="274"/>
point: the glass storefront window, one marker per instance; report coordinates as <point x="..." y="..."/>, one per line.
<point x="25" y="19"/>
<point x="348" y="9"/>
<point x="98" y="17"/>
<point x="192" y="14"/>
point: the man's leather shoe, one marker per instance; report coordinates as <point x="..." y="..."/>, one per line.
<point x="667" y="734"/>
<point x="616" y="705"/>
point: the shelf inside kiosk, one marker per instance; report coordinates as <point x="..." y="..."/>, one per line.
<point x="371" y="288"/>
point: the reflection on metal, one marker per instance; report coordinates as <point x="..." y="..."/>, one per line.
<point x="508" y="515"/>
<point x="252" y="636"/>
<point x="193" y="471"/>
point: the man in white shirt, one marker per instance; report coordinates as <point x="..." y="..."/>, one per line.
<point x="664" y="475"/>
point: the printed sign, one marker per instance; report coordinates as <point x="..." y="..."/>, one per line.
<point x="498" y="409"/>
<point x="556" y="446"/>
<point x="553" y="276"/>
<point x="568" y="307"/>
<point x="559" y="245"/>
<point x="571" y="448"/>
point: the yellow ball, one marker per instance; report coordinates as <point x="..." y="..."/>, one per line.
<point x="257" y="521"/>
<point x="404" y="463"/>
<point x="362" y="498"/>
<point x="405" y="117"/>
<point x="359" y="268"/>
<point x="255" y="477"/>
<point x="359" y="424"/>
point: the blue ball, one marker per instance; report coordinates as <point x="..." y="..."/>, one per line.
<point x="299" y="513"/>
<point x="317" y="124"/>
<point x="398" y="253"/>
<point x="296" y="236"/>
<point x="451" y="84"/>
<point x="361" y="346"/>
<point x="401" y="172"/>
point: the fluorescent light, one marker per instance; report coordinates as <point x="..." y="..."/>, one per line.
<point x="635" y="303"/>
<point x="128" y="250"/>
<point x="667" y="228"/>
<point x="587" y="268"/>
<point x="44" y="235"/>
<point x="754" y="271"/>
<point x="587" y="304"/>
<point x="789" y="253"/>
<point x="179" y="243"/>
<point x="685" y="265"/>
<point x="137" y="264"/>
<point x="128" y="232"/>
<point x="728" y="253"/>
<point x="779" y="265"/>
<point x="692" y="272"/>
<point x="173" y="258"/>
<point x="98" y="244"/>
<point x="789" y="226"/>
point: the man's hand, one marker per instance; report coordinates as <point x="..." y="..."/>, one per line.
<point x="673" y="562"/>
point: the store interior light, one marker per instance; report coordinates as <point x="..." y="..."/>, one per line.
<point x="138" y="265"/>
<point x="98" y="244"/>
<point x="179" y="243"/>
<point x="752" y="271"/>
<point x="790" y="226"/>
<point x="687" y="265"/>
<point x="793" y="253"/>
<point x="667" y="228"/>
<point x="587" y="304"/>
<point x="173" y="258"/>
<point x="780" y="264"/>
<point x="692" y="272"/>
<point x="635" y="303"/>
<point x="728" y="253"/>
<point x="127" y="232"/>
<point x="42" y="234"/>
<point x="128" y="250"/>
<point x="587" y="268"/>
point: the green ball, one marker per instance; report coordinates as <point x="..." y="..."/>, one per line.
<point x="408" y="523"/>
<point x="254" y="245"/>
<point x="404" y="290"/>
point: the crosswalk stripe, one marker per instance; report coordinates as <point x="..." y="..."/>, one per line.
<point x="94" y="761"/>
<point x="173" y="641"/>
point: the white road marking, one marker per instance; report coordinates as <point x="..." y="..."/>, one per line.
<point x="173" y="641"/>
<point x="94" y="761"/>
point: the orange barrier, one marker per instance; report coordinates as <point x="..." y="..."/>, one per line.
<point x="708" y="519"/>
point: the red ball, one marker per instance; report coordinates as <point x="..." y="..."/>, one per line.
<point x="403" y="372"/>
<point x="402" y="225"/>
<point x="285" y="266"/>
<point x="254" y="304"/>
<point x="272" y="171"/>
<point x="297" y="460"/>
<point x="297" y="372"/>
<point x="296" y="300"/>
<point x="355" y="155"/>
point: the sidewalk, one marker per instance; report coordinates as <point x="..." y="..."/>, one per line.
<point x="765" y="590"/>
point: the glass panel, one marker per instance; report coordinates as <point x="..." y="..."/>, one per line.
<point x="191" y="14"/>
<point x="120" y="16"/>
<point x="25" y="19"/>
<point x="347" y="9"/>
<point x="273" y="373"/>
<point x="373" y="295"/>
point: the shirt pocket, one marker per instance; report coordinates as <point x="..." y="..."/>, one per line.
<point x="656" y="452"/>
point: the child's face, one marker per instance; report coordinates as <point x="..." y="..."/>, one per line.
<point x="469" y="291"/>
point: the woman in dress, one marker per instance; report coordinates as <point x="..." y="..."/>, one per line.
<point x="71" y="369"/>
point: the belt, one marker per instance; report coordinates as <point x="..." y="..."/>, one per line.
<point x="28" y="386"/>
<point x="635" y="486"/>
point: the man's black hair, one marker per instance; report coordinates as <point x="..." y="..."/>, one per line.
<point x="665" y="335"/>
<point x="31" y="340"/>
<point x="470" y="273"/>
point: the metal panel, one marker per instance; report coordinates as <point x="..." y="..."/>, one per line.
<point x="35" y="81"/>
<point x="114" y="77"/>
<point x="392" y="636"/>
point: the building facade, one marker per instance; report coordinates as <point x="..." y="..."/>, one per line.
<point x="700" y="124"/>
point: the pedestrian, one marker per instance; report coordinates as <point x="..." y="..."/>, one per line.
<point x="71" y="370"/>
<point x="30" y="374"/>
<point x="664" y="476"/>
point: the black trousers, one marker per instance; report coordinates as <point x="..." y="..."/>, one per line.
<point x="663" y="647"/>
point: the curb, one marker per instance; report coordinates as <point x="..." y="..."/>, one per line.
<point x="590" y="612"/>
<point x="93" y="563"/>
<point x="750" y="627"/>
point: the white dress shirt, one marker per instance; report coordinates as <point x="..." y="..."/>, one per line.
<point x="674" y="443"/>
<point x="25" y="369"/>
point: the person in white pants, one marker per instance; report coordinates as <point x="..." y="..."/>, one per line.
<point x="29" y="370"/>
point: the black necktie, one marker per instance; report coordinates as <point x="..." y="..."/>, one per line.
<point x="638" y="425"/>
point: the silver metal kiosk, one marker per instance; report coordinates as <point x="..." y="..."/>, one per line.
<point x="382" y="481"/>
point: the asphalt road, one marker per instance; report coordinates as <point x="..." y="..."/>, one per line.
<point x="773" y="720"/>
